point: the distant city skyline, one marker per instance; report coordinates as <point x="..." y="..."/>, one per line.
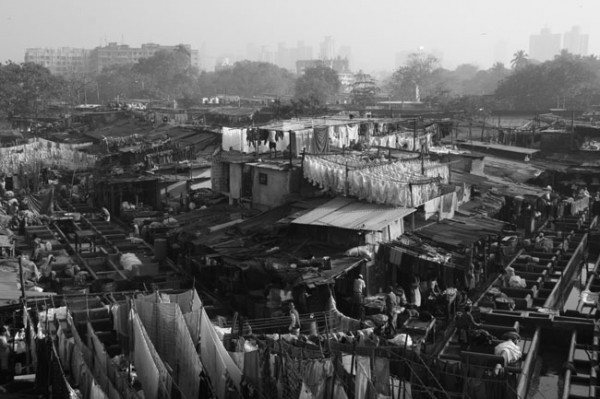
<point x="542" y="46"/>
<point x="470" y="32"/>
<point x="546" y="44"/>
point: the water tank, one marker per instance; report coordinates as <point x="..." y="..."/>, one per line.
<point x="160" y="249"/>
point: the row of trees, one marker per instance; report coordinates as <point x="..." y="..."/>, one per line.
<point x="569" y="80"/>
<point x="168" y="75"/>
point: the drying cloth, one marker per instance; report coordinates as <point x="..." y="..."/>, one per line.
<point x="338" y="391"/>
<point x="363" y="376"/>
<point x="320" y="142"/>
<point x="96" y="392"/>
<point x="314" y="377"/>
<point x="170" y="335"/>
<point x="146" y="369"/>
<point x="214" y="357"/>
<point x="252" y="369"/>
<point x="381" y="371"/>
<point x="187" y="301"/>
<point x="192" y="321"/>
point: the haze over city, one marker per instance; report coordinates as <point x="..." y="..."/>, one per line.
<point x="477" y="32"/>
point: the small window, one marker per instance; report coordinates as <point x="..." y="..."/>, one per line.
<point x="262" y="178"/>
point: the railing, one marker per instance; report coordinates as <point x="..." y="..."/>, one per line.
<point x="561" y="291"/>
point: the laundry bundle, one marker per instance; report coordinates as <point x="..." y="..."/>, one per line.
<point x="129" y="261"/>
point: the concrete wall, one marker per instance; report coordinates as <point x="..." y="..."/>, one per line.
<point x="556" y="142"/>
<point x="274" y="192"/>
<point x="219" y="175"/>
<point x="235" y="180"/>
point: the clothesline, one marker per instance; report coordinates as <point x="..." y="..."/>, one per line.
<point x="397" y="184"/>
<point x="19" y="158"/>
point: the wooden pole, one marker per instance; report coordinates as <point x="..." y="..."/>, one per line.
<point x="415" y="135"/>
<point x="483" y="128"/>
<point x="21" y="279"/>
<point x="471" y="130"/>
<point x="291" y="146"/>
<point x="347" y="184"/>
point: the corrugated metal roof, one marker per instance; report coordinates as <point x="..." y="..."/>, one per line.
<point x="460" y="177"/>
<point x="348" y="213"/>
<point x="461" y="230"/>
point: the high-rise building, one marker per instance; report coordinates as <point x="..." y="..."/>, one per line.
<point x="545" y="46"/>
<point x="122" y="54"/>
<point x="327" y="49"/>
<point x="252" y="52"/>
<point x="60" y="61"/>
<point x="65" y="60"/>
<point x="340" y="65"/>
<point x="283" y="58"/>
<point x="266" y="55"/>
<point x="575" y="42"/>
<point x="303" y="52"/>
<point x="500" y="50"/>
<point x="345" y="52"/>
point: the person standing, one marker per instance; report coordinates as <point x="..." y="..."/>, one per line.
<point x="105" y="214"/>
<point x="465" y="323"/>
<point x="136" y="229"/>
<point x="4" y="354"/>
<point x="391" y="305"/>
<point x="415" y="293"/>
<point x="358" y="288"/>
<point x="294" y="327"/>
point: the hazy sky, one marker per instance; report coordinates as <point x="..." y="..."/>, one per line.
<point x="464" y="31"/>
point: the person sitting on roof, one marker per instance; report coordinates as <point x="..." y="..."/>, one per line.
<point x="30" y="270"/>
<point x="47" y="274"/>
<point x="39" y="248"/>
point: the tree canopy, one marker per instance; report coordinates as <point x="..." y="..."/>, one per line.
<point x="567" y="80"/>
<point x="520" y="60"/>
<point x="26" y="88"/>
<point x="414" y="80"/>
<point x="318" y="85"/>
<point x="247" y="78"/>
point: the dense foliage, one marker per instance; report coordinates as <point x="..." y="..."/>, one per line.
<point x="317" y="86"/>
<point x="27" y="88"/>
<point x="415" y="80"/>
<point x="566" y="81"/>
<point x="247" y="79"/>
